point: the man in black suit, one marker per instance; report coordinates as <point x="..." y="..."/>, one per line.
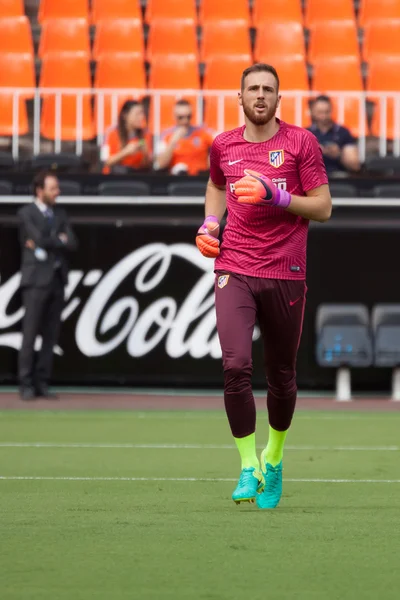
<point x="46" y="237"/>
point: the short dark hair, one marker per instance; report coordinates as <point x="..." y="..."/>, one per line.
<point x="322" y="98"/>
<point x="39" y="180"/>
<point x="183" y="102"/>
<point x="258" y="68"/>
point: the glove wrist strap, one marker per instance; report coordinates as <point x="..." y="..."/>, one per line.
<point x="282" y="198"/>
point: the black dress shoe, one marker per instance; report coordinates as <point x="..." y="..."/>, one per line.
<point x="27" y="393"/>
<point x="43" y="392"/>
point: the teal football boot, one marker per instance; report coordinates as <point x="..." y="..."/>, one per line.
<point x="250" y="482"/>
<point x="272" y="492"/>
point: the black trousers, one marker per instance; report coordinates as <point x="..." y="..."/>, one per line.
<point x="43" y="308"/>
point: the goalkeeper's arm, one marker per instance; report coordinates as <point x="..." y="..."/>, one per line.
<point x="215" y="200"/>
<point x="215" y="206"/>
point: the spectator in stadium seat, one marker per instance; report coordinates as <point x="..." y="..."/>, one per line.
<point x="184" y="148"/>
<point x="127" y="146"/>
<point x="338" y="145"/>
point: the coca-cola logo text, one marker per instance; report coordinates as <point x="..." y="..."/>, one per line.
<point x="162" y="321"/>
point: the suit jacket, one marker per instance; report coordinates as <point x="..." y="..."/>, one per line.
<point x="33" y="225"/>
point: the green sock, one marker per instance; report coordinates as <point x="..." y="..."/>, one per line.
<point x="247" y="451"/>
<point x="273" y="453"/>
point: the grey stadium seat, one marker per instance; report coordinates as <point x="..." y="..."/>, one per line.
<point x="6" y="188"/>
<point x="343" y="336"/>
<point x="124" y="188"/>
<point x="183" y="188"/>
<point x="342" y="190"/>
<point x="387" y="190"/>
<point x="386" y="328"/>
<point x="383" y="164"/>
<point x="63" y="160"/>
<point x="6" y="161"/>
<point x="70" y="188"/>
<point x="343" y="341"/>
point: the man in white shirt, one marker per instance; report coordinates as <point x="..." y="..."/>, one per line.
<point x="46" y="237"/>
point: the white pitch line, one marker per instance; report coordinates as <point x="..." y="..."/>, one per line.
<point x="194" y="415"/>
<point x="103" y="445"/>
<point x="182" y="479"/>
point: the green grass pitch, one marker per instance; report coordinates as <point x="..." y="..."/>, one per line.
<point x="118" y="505"/>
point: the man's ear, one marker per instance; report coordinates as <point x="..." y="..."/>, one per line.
<point x="240" y="98"/>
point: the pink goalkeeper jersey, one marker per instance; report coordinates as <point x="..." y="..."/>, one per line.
<point x="263" y="241"/>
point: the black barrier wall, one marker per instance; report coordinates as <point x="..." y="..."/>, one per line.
<point x="140" y="310"/>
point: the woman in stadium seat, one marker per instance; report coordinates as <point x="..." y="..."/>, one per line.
<point x="127" y="146"/>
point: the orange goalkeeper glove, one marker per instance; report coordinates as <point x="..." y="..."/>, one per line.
<point x="207" y="237"/>
<point x="256" y="188"/>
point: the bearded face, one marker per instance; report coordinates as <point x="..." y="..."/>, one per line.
<point x="259" y="97"/>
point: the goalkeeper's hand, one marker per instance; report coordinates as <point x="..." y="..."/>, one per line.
<point x="256" y="188"/>
<point x="207" y="237"/>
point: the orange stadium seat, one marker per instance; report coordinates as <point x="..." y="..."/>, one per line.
<point x="292" y="72"/>
<point x="115" y="9"/>
<point x="284" y="10"/>
<point x="175" y="72"/>
<point x="337" y="73"/>
<point x="290" y="113"/>
<point x="120" y="70"/>
<point x="16" y="35"/>
<point x="340" y="73"/>
<point x="224" y="73"/>
<point x="6" y="116"/>
<point x="64" y="35"/>
<point x="118" y="35"/>
<point x="66" y="70"/>
<point x="217" y="10"/>
<point x="381" y="38"/>
<point x="67" y="125"/>
<point x="117" y="71"/>
<point x="173" y="9"/>
<point x="17" y="71"/>
<point x="53" y="9"/>
<point x="11" y="8"/>
<point x="328" y="10"/>
<point x="172" y="36"/>
<point x="383" y="76"/>
<point x="231" y="118"/>
<point x="283" y="37"/>
<point x="374" y="10"/>
<point x="225" y="37"/>
<point x="333" y="38"/>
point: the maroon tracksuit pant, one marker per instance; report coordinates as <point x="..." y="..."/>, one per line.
<point x="278" y="306"/>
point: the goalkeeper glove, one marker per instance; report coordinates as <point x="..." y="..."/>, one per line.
<point x="256" y="188"/>
<point x="207" y="237"/>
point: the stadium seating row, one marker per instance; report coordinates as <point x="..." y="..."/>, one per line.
<point x="179" y="36"/>
<point x="127" y="71"/>
<point x="174" y="56"/>
<point x="348" y="336"/>
<point x="71" y="187"/>
<point x="315" y="10"/>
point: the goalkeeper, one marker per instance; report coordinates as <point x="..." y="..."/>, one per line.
<point x="271" y="178"/>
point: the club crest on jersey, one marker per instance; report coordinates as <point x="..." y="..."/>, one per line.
<point x="223" y="281"/>
<point x="276" y="158"/>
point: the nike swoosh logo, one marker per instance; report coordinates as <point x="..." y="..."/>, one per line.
<point x="233" y="162"/>
<point x="295" y="301"/>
